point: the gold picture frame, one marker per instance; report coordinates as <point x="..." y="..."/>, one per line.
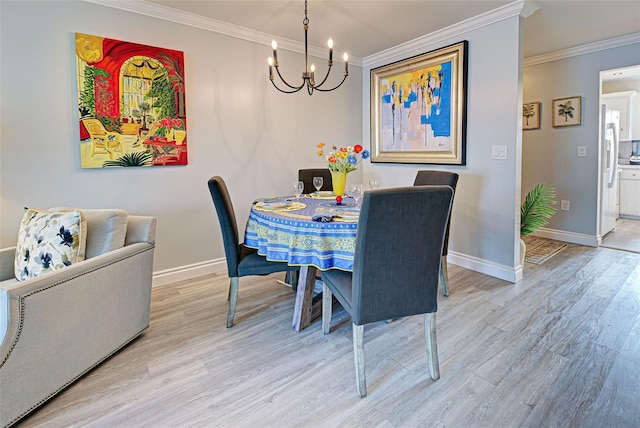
<point x="418" y="108"/>
<point x="566" y="111"/>
<point x="531" y="115"/>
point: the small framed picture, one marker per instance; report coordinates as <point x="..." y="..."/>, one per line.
<point x="566" y="111"/>
<point x="531" y="115"/>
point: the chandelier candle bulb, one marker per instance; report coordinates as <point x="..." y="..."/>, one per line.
<point x="330" y="44"/>
<point x="346" y="64"/>
<point x="274" y="45"/>
<point x="270" y="61"/>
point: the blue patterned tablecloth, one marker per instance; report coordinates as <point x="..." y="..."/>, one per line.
<point x="291" y="236"/>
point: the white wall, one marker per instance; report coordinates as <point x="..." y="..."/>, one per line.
<point x="550" y="154"/>
<point x="239" y="126"/>
<point x="483" y="233"/>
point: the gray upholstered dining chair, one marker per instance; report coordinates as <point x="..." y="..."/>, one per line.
<point x="396" y="264"/>
<point x="441" y="178"/>
<point x="241" y="260"/>
<point x="306" y="176"/>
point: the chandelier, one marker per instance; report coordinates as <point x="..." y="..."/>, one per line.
<point x="308" y="75"/>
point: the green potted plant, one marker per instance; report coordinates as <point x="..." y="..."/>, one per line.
<point x="535" y="211"/>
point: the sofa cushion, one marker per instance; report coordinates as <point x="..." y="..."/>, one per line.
<point x="49" y="241"/>
<point x="106" y="229"/>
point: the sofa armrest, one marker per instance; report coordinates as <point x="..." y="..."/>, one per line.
<point x="66" y="322"/>
<point x="140" y="229"/>
<point x="7" y="256"/>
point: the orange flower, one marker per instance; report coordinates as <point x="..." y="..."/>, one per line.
<point x="320" y="145"/>
<point x="332" y="159"/>
<point x="320" y="153"/>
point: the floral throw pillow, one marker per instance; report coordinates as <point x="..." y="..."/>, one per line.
<point x="48" y="242"/>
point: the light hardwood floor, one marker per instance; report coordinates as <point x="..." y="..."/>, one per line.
<point x="626" y="236"/>
<point x="559" y="349"/>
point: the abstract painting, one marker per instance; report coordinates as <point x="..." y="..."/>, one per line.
<point x="131" y="104"/>
<point x="418" y="108"/>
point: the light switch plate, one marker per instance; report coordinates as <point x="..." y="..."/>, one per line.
<point x="498" y="152"/>
<point x="582" y="151"/>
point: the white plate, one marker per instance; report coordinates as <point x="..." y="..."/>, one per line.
<point x="349" y="214"/>
<point x="323" y="194"/>
<point x="275" y="204"/>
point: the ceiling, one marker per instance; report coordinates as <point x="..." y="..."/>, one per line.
<point x="365" y="27"/>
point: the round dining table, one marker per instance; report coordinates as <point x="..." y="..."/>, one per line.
<point x="284" y="230"/>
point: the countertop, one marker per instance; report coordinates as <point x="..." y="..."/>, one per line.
<point x="624" y="163"/>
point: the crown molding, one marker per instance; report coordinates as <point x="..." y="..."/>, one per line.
<point x="193" y="20"/>
<point x="584" y="49"/>
<point x="517" y="8"/>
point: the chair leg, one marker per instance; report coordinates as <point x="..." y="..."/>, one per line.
<point x="432" y="345"/>
<point x="291" y="278"/>
<point x="233" y="300"/>
<point x="444" y="276"/>
<point x="327" y="308"/>
<point x="358" y="359"/>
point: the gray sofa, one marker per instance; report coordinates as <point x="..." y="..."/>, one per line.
<point x="60" y="325"/>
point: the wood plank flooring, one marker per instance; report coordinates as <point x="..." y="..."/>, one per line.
<point x="626" y="236"/>
<point x="559" y="349"/>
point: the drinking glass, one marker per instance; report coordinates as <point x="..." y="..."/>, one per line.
<point x="356" y="192"/>
<point x="317" y="183"/>
<point x="297" y="188"/>
<point x="373" y="184"/>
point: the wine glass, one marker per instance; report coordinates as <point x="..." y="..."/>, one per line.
<point x="356" y="192"/>
<point x="374" y="184"/>
<point x="297" y="186"/>
<point x="317" y="183"/>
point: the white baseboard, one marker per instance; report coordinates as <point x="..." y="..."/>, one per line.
<point x="573" y="238"/>
<point x="181" y="273"/>
<point x="219" y="266"/>
<point x="504" y="272"/>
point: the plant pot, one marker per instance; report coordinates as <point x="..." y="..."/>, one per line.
<point x="523" y="251"/>
<point x="339" y="182"/>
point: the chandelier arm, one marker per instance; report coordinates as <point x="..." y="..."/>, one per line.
<point x="297" y="88"/>
<point x="325" y="77"/>
<point x="293" y="91"/>
<point x="336" y="87"/>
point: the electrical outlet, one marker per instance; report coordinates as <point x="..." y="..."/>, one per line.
<point x="582" y="151"/>
<point x="564" y="205"/>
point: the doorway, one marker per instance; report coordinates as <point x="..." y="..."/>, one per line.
<point x="620" y="93"/>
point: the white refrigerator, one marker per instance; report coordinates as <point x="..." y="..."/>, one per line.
<point x="609" y="169"/>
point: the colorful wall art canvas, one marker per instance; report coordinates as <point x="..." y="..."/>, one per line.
<point x="131" y="104"/>
<point x="418" y="108"/>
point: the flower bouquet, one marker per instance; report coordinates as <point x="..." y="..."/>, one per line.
<point x="340" y="162"/>
<point x="167" y="125"/>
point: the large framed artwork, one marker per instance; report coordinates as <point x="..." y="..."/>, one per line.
<point x="418" y="108"/>
<point x="131" y="104"/>
<point x="566" y="111"/>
